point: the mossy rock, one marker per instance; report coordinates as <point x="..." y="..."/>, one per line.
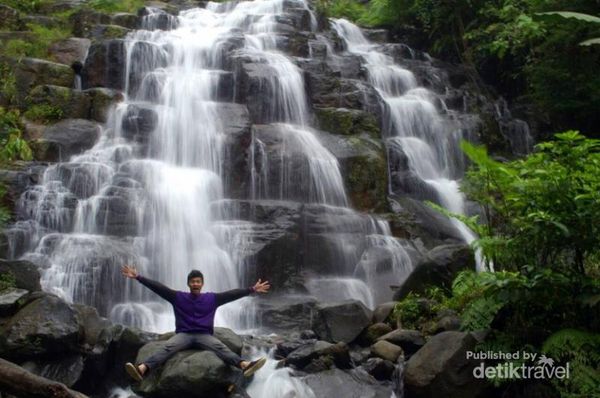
<point x="102" y="100"/>
<point x="10" y="19"/>
<point x="60" y="102"/>
<point x="365" y="175"/>
<point x="347" y="121"/>
<point x="106" y="32"/>
<point x="32" y="72"/>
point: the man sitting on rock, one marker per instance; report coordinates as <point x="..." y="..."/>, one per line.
<point x="194" y="319"/>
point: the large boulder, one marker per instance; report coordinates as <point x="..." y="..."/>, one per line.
<point x="187" y="374"/>
<point x="285" y="314"/>
<point x="441" y="368"/>
<point x="25" y="274"/>
<point x="414" y="219"/>
<point x="66" y="138"/>
<point x="410" y="340"/>
<point x="341" y="322"/>
<point x="337" y="383"/>
<point x="438" y="269"/>
<point x="45" y="327"/>
<point x="105" y="65"/>
<point x="66" y="369"/>
<point x="139" y="122"/>
<point x="9" y="299"/>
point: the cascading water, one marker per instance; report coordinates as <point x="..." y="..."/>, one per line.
<point x="414" y="127"/>
<point x="161" y="166"/>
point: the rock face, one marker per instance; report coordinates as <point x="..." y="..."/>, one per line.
<point x="26" y="274"/>
<point x="337" y="383"/>
<point x="441" y="368"/>
<point x="438" y="268"/>
<point x="105" y="65"/>
<point x="341" y="322"/>
<point x="47" y="326"/>
<point x="31" y="72"/>
<point x="66" y="138"/>
<point x="70" y="51"/>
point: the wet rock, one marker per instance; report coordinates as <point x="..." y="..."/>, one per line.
<point x="379" y="368"/>
<point x="230" y="339"/>
<point x="102" y="101"/>
<point x="285" y="314"/>
<point x="69" y="51"/>
<point x="415" y="219"/>
<point x="341" y="322"/>
<point x="309" y="352"/>
<point x="26" y="274"/>
<point x="441" y="368"/>
<point x="386" y="350"/>
<point x="347" y="121"/>
<point x="139" y="122"/>
<point x="373" y="332"/>
<point x="46" y="326"/>
<point x="438" y="269"/>
<point x="71" y="104"/>
<point x="376" y="35"/>
<point x="337" y="383"/>
<point x="382" y="311"/>
<point x="64" y="369"/>
<point x="9" y="300"/>
<point x="66" y="138"/>
<point x="125" y="19"/>
<point x="105" y="65"/>
<point x="92" y="324"/>
<point x="158" y="17"/>
<point x="409" y="340"/>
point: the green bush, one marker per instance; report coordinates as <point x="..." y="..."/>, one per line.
<point x="7" y="280"/>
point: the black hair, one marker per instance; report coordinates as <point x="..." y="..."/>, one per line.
<point x="195" y="274"/>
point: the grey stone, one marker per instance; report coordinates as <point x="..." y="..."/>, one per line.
<point x="441" y="368"/>
<point x="341" y="322"/>
<point x="386" y="350"/>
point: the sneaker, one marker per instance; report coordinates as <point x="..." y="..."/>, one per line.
<point x="254" y="366"/>
<point x="133" y="371"/>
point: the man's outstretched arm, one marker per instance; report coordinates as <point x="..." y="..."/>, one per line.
<point x="156" y="287"/>
<point x="232" y="295"/>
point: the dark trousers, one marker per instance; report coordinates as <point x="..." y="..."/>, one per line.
<point x="184" y="341"/>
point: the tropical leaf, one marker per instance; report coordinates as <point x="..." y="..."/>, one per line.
<point x="590" y="42"/>
<point x="570" y="14"/>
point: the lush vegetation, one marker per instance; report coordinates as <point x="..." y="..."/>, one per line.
<point x="514" y="45"/>
<point x="541" y="234"/>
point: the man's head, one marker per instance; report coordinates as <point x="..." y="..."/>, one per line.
<point x="195" y="281"/>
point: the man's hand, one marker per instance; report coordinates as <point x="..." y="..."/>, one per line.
<point x="129" y="271"/>
<point x="261" y="287"/>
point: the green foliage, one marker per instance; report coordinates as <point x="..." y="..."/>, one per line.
<point x="582" y="350"/>
<point x="7" y="280"/>
<point x="408" y="312"/>
<point x="116" y="5"/>
<point x="543" y="211"/>
<point x="8" y="84"/>
<point x="349" y="9"/>
<point x="27" y="6"/>
<point x="12" y="146"/>
<point x="43" y="113"/>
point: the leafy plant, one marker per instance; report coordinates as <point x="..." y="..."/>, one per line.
<point x="581" y="350"/>
<point x="43" y="113"/>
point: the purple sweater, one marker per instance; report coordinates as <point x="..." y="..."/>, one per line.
<point x="194" y="313"/>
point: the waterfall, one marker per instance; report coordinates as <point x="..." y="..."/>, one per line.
<point x="414" y="126"/>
